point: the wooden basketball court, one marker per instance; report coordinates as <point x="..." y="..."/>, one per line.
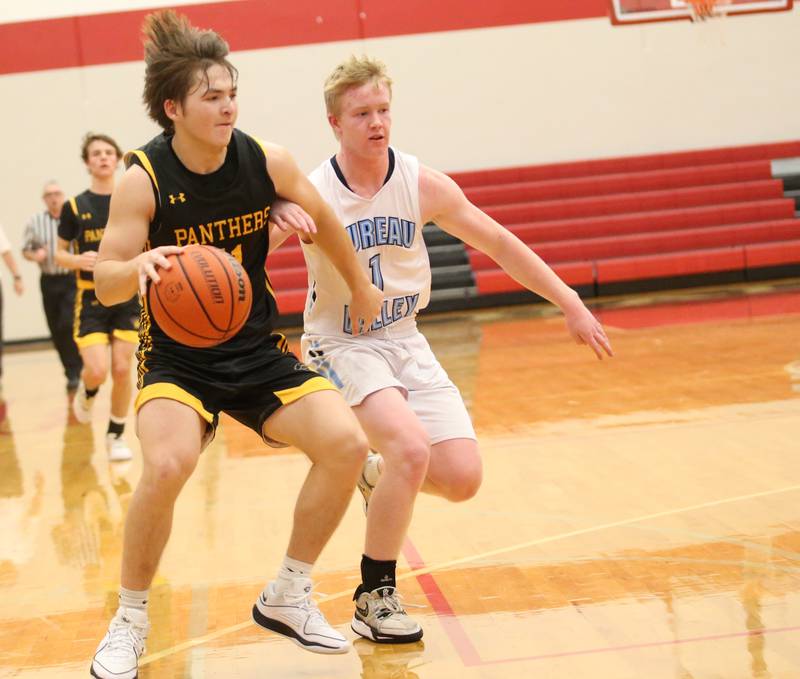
<point x="640" y="516"/>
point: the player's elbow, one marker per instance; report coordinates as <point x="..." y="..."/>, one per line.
<point x="108" y="296"/>
<point x="105" y="290"/>
<point x="104" y="295"/>
<point x="104" y="299"/>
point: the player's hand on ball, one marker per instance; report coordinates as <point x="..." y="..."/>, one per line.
<point x="148" y="262"/>
<point x="204" y="297"/>
<point x="365" y="306"/>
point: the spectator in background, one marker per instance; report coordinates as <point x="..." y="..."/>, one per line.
<point x="57" y="283"/>
<point x="19" y="288"/>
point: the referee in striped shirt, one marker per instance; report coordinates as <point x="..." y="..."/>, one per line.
<point x="57" y="283"/>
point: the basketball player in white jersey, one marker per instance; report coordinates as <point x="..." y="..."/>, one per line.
<point x="410" y="410"/>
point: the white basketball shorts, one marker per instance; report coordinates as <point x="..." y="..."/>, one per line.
<point x="360" y="366"/>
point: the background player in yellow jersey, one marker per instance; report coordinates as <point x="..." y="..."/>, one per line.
<point x="411" y="411"/>
<point x="97" y="327"/>
<point x="227" y="179"/>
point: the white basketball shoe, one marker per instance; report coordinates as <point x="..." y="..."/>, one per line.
<point x="82" y="405"/>
<point x="118" y="450"/>
<point x="117" y="656"/>
<point x="380" y="617"/>
<point x="295" y="615"/>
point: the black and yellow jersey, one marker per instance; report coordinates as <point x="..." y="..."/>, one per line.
<point x="228" y="209"/>
<point x="83" y="221"/>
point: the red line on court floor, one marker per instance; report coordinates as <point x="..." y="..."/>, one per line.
<point x="470" y="656"/>
<point x="447" y="617"/>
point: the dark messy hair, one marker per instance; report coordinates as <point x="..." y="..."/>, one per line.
<point x="176" y="54"/>
<point x="89" y="137"/>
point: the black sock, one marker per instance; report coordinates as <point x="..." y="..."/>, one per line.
<point x="116" y="428"/>
<point x="91" y="393"/>
<point x="376" y="574"/>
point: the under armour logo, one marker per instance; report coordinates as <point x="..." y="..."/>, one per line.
<point x="86" y="216"/>
<point x="181" y="197"/>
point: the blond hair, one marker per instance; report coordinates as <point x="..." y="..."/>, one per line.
<point x="354" y="72"/>
<point x="175" y="53"/>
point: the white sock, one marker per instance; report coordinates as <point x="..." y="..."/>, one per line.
<point x="132" y="598"/>
<point x="290" y="570"/>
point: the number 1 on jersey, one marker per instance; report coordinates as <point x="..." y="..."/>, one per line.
<point x="375" y="268"/>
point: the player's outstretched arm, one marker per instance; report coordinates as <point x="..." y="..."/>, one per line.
<point x="442" y="201"/>
<point x="293" y="185"/>
<point x="122" y="266"/>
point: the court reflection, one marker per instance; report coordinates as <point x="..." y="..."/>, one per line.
<point x="20" y="506"/>
<point x="639" y="517"/>
<point x="89" y="534"/>
<point x="669" y="357"/>
<point x="389" y="661"/>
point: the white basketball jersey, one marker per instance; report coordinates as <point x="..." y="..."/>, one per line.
<point x="386" y="231"/>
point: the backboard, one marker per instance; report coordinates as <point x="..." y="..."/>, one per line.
<point x="643" y="11"/>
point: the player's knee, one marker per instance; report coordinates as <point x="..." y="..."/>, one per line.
<point x="170" y="470"/>
<point x="348" y="449"/>
<point x="94" y="374"/>
<point x="464" y="484"/>
<point x="121" y="372"/>
<point x="410" y="460"/>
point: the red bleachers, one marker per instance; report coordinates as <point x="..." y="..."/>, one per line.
<point x="761" y="255"/>
<point x="289" y="278"/>
<point x="645" y="201"/>
<point x="594" y="249"/>
<point x="536" y="233"/>
<point x="670" y="264"/>
<point x="664" y="217"/>
<point x="619" y="183"/>
<point x="616" y="221"/>
<point x="288" y="256"/>
<point x="648" y="163"/>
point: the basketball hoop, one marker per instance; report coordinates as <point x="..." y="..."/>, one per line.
<point x="706" y="9"/>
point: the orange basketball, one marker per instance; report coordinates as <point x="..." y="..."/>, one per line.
<point x="203" y="299"/>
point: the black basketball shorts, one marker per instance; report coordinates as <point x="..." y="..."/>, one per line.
<point x="96" y="324"/>
<point x="250" y="396"/>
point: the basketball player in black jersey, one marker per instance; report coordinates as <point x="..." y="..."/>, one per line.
<point x="204" y="181"/>
<point x="83" y="221"/>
